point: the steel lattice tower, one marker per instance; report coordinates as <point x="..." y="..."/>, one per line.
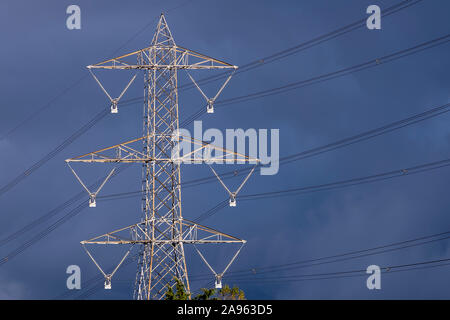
<point x="162" y="232"/>
<point x="161" y="180"/>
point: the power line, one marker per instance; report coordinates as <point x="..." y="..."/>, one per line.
<point x="331" y="186"/>
<point x="420" y="241"/>
<point x="318" y="79"/>
<point x="28" y="227"/>
<point x="54" y="152"/>
<point x="315" y="188"/>
<point x="363" y="136"/>
<point x="266" y="195"/>
<point x="355" y="272"/>
<point x="235" y="276"/>
<point x="43" y="233"/>
<point x="328" y="76"/>
<point x="342" y="276"/>
<point x="285" y="53"/>
<point x="352" y="182"/>
<point x="349" y="255"/>
<point x="221" y="205"/>
<point x="98" y="286"/>
<point x="322" y="187"/>
<point x="75" y="135"/>
<point x="35" y="113"/>
<point x="304" y="45"/>
<point x="393" y="126"/>
<point x="96" y="281"/>
<point x="336" y="185"/>
<point x="339" y="73"/>
<point x="332" y="75"/>
<point x="50" y="228"/>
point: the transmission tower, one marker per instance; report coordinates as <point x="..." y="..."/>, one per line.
<point x="162" y="232"/>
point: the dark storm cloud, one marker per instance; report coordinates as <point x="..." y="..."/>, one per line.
<point x="40" y="57"/>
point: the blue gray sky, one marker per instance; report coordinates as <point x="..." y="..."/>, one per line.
<point x="40" y="58"/>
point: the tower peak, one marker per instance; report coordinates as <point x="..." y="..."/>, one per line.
<point x="163" y="36"/>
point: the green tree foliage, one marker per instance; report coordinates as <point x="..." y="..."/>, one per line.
<point x="207" y="294"/>
<point x="169" y="294"/>
<point x="226" y="293"/>
<point x="179" y="294"/>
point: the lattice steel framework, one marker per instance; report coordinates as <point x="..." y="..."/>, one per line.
<point x="159" y="263"/>
<point x="162" y="232"/>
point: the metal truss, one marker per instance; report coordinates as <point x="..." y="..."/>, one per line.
<point x="184" y="58"/>
<point x="200" y="152"/>
<point x="192" y="233"/>
<point x="162" y="232"/>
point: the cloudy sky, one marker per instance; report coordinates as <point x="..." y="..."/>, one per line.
<point x="47" y="95"/>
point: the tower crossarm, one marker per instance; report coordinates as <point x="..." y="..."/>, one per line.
<point x="200" y="151"/>
<point x="185" y="59"/>
<point x="193" y="233"/>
